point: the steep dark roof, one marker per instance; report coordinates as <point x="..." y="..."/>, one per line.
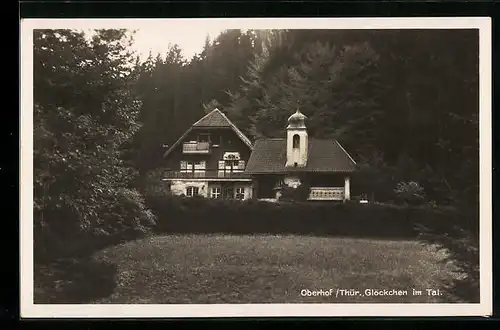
<point x="269" y="156"/>
<point x="213" y="119"/>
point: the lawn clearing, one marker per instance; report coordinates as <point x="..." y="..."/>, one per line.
<point x="270" y="269"/>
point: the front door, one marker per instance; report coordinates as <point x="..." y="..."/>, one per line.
<point x="228" y="191"/>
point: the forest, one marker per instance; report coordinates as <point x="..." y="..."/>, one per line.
<point x="404" y="103"/>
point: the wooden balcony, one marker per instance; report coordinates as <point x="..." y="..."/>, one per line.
<point x="196" y="148"/>
<point x="206" y="174"/>
<point x="326" y="194"/>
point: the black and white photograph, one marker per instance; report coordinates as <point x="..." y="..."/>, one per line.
<point x="256" y="167"/>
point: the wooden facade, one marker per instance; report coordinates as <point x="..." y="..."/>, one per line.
<point x="221" y="141"/>
<point x="209" y="162"/>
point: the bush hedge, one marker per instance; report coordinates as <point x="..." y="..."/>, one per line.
<point x="199" y="215"/>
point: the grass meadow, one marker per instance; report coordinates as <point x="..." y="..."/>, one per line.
<point x="205" y="269"/>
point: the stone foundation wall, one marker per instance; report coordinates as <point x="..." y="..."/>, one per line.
<point x="178" y="187"/>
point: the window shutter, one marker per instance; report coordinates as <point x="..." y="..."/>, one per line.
<point x="183" y="165"/>
<point x="241" y="164"/>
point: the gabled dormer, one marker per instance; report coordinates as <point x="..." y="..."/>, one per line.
<point x="212" y="147"/>
<point x="208" y="133"/>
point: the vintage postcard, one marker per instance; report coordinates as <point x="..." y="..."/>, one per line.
<point x="256" y="167"/>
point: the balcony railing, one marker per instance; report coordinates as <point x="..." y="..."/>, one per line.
<point x="326" y="193"/>
<point x="196" y="147"/>
<point x="206" y="174"/>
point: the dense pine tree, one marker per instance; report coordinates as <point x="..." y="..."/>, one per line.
<point x="84" y="113"/>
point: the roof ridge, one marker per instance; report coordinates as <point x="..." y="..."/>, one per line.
<point x="205" y="116"/>
<point x="238" y="132"/>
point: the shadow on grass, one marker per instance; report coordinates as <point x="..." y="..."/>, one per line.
<point x="73" y="281"/>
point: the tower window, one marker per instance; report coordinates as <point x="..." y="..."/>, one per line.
<point x="296" y="141"/>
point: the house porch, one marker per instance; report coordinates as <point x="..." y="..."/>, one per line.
<point x="333" y="187"/>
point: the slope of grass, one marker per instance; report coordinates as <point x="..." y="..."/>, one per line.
<point x="271" y="269"/>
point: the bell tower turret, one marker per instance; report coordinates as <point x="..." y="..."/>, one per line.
<point x="297" y="140"/>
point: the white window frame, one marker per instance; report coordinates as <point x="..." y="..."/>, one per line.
<point x="190" y="191"/>
<point x="215" y="192"/>
<point x="239" y="191"/>
<point x="200" y="165"/>
<point x="187" y="166"/>
<point x="229" y="164"/>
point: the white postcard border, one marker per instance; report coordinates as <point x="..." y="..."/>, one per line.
<point x="31" y="310"/>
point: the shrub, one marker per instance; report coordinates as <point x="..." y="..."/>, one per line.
<point x="298" y="194"/>
<point x="189" y="215"/>
<point x="121" y="215"/>
<point x="410" y="193"/>
<point x="153" y="185"/>
<point x="287" y="193"/>
<point x="127" y="216"/>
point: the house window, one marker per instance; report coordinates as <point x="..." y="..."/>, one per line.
<point x="200" y="165"/>
<point x="216" y="140"/>
<point x="192" y="191"/>
<point x="215" y="192"/>
<point x="231" y="163"/>
<point x="187" y="166"/>
<point x="240" y="193"/>
<point x="296" y="141"/>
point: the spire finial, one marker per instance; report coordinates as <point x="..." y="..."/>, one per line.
<point x="296" y="120"/>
